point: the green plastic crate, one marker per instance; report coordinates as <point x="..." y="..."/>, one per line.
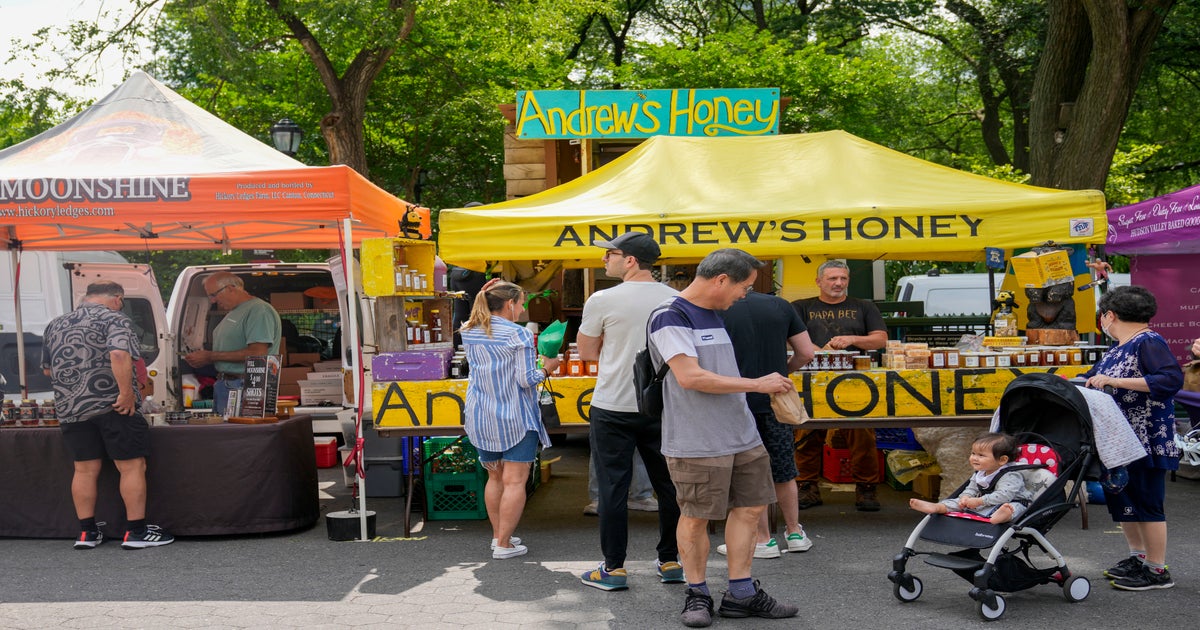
<point x="457" y="498"/>
<point x="454" y="480"/>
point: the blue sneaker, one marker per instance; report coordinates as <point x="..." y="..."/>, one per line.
<point x="614" y="580"/>
<point x="670" y="572"/>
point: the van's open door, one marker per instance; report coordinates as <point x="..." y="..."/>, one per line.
<point x="143" y="305"/>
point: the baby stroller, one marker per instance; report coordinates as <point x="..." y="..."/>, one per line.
<point x="1039" y="409"/>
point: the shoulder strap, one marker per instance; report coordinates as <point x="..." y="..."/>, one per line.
<point x="662" y="371"/>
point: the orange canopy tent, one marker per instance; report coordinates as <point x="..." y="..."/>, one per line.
<point x="146" y="168"/>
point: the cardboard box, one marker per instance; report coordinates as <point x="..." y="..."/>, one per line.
<point x="927" y="486"/>
<point x="1036" y="271"/>
<point x="413" y="365"/>
<point x="328" y="366"/>
<point x="835" y="465"/>
<point x="308" y="359"/>
<point x="327" y="454"/>
<point x="317" y="392"/>
<point x="324" y="376"/>
<point x="289" y="389"/>
<point x="293" y="375"/>
<point x="291" y="301"/>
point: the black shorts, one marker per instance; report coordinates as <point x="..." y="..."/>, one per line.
<point x="119" y="436"/>
<point x="779" y="440"/>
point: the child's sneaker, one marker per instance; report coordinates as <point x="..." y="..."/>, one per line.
<point x="670" y="572"/>
<point x="89" y="540"/>
<point x="799" y="542"/>
<point x="1146" y="580"/>
<point x="152" y="536"/>
<point x="769" y="549"/>
<point x="614" y="580"/>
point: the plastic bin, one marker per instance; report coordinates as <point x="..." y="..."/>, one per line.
<point x="897" y="439"/>
<point x="454" y="480"/>
<point x="835" y="465"/>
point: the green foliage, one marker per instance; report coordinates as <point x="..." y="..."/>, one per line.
<point x="1126" y="182"/>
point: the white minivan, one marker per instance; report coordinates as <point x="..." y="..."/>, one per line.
<point x="962" y="293"/>
<point x="51" y="284"/>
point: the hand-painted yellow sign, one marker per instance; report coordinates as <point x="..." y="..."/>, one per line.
<point x="543" y="114"/>
<point x="872" y="394"/>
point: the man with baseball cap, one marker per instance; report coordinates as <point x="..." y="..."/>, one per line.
<point x="611" y="332"/>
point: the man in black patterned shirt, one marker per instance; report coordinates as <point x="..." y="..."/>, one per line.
<point x="89" y="356"/>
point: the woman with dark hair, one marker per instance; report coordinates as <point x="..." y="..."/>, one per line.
<point x="503" y="419"/>
<point x="1145" y="377"/>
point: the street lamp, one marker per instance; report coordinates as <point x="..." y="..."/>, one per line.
<point x="286" y="135"/>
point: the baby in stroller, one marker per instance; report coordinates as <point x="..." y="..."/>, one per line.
<point x="993" y="492"/>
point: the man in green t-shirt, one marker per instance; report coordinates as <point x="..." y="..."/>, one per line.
<point x="250" y="328"/>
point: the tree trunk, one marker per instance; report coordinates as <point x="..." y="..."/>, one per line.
<point x="1094" y="56"/>
<point x="342" y="127"/>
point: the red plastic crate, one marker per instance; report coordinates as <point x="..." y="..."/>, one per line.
<point x="835" y="465"/>
<point x="327" y="454"/>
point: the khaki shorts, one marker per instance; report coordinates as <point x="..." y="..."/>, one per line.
<point x="707" y="487"/>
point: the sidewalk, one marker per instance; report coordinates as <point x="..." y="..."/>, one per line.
<point x="444" y="576"/>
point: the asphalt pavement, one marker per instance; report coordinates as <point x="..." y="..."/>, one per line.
<point x="443" y="576"/>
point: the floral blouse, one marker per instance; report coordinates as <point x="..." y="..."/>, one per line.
<point x="1152" y="415"/>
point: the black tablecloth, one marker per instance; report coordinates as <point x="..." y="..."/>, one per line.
<point x="201" y="480"/>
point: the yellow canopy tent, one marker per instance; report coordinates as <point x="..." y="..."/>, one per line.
<point x="821" y="194"/>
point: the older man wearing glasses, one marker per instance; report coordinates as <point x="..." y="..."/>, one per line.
<point x="251" y="327"/>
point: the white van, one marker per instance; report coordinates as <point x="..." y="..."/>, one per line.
<point x="948" y="294"/>
<point x="311" y="326"/>
<point x="962" y="293"/>
<point x="51" y="284"/>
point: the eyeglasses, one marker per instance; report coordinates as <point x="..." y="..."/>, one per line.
<point x="218" y="291"/>
<point x="614" y="253"/>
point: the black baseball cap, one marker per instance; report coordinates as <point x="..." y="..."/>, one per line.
<point x="637" y="244"/>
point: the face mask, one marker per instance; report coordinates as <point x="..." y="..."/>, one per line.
<point x="1104" y="329"/>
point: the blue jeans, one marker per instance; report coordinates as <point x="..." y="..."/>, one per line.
<point x="221" y="391"/>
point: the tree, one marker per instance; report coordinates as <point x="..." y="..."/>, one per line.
<point x="1094" y="57"/>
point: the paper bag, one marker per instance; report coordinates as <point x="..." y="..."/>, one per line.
<point x="788" y="408"/>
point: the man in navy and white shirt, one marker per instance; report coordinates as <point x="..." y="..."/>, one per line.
<point x="716" y="457"/>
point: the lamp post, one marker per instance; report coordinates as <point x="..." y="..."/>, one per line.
<point x="286" y="136"/>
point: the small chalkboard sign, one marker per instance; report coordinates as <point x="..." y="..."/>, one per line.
<point x="260" y="386"/>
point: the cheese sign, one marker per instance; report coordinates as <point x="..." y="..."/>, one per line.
<point x="558" y="114"/>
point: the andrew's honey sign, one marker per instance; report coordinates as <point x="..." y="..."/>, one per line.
<point x="556" y="114"/>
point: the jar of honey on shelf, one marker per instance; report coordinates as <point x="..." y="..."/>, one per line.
<point x="862" y="362"/>
<point x="574" y="365"/>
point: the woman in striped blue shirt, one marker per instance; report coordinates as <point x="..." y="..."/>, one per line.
<point x="503" y="419"/>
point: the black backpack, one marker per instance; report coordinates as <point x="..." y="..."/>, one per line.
<point x="648" y="382"/>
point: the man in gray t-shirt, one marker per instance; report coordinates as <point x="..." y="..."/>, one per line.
<point x="717" y="460"/>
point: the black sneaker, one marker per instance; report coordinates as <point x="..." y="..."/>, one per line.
<point x="758" y="605"/>
<point x="1145" y="580"/>
<point x="1126" y="568"/>
<point x="89" y="540"/>
<point x="153" y="536"/>
<point x="697" y="610"/>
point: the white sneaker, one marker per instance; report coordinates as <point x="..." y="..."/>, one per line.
<point x="643" y="505"/>
<point x="513" y="540"/>
<point x="799" y="541"/>
<point x="501" y="553"/>
<point x="769" y="549"/>
<point x="591" y="509"/>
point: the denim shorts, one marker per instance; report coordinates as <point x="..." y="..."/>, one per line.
<point x="523" y="452"/>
